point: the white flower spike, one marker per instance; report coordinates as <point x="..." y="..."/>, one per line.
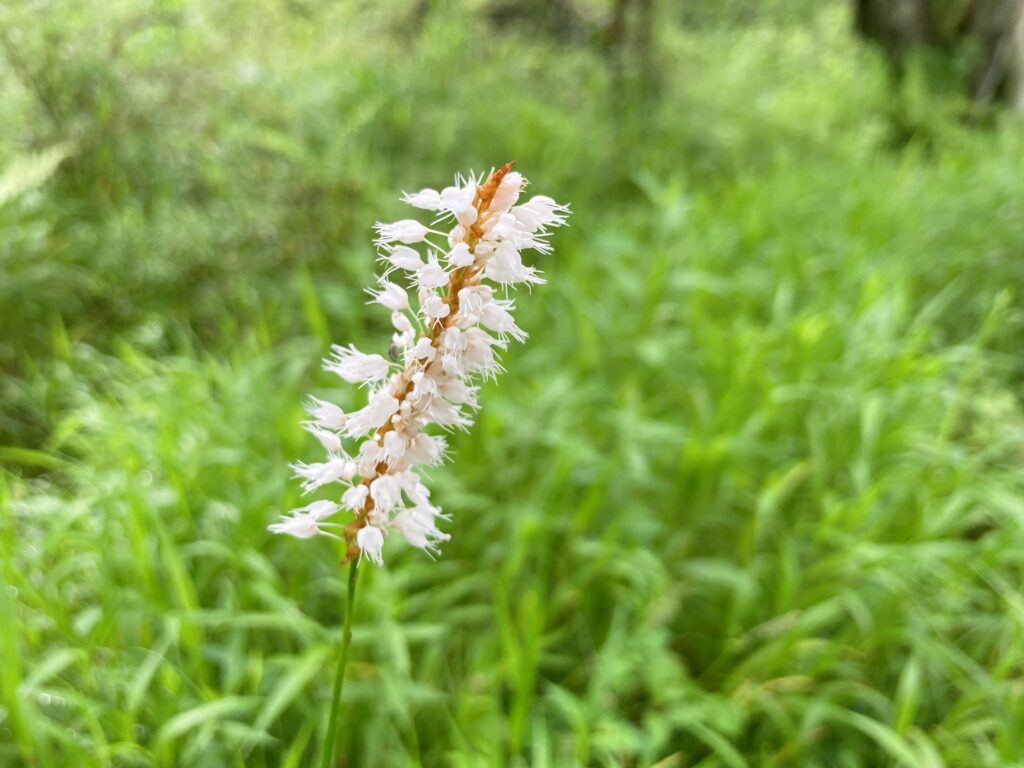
<point x="462" y="326"/>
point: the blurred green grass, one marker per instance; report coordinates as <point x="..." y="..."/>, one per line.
<point x="751" y="494"/>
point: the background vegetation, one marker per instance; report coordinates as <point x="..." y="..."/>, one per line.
<point x="751" y="495"/>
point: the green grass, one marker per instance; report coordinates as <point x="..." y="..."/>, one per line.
<point x="750" y="496"/>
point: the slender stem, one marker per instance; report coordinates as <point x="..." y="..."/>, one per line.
<point x="330" y="742"/>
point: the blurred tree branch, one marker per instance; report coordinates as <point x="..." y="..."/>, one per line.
<point x="36" y="81"/>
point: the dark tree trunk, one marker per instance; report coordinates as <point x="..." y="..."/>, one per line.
<point x="896" y="25"/>
<point x="994" y="27"/>
<point x="1016" y="83"/>
<point x="997" y="25"/>
<point x="557" y="18"/>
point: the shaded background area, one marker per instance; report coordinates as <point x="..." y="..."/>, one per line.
<point x="750" y="495"/>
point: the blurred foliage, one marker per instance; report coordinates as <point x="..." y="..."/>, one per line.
<point x="751" y="495"/>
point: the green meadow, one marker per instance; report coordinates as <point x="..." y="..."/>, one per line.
<point x="752" y="494"/>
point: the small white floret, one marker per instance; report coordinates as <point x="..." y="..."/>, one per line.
<point x="404" y="257"/>
<point x="539" y="213"/>
<point x="328" y="439"/>
<point x="461" y="256"/>
<point x="300" y="526"/>
<point x="385" y="492"/>
<point x="318" y="474"/>
<point x="305" y="522"/>
<point x="406" y="231"/>
<point x="354" y="366"/>
<point x="370" y="541"/>
<point x="325" y="415"/>
<point x="427" y="199"/>
<point x="434" y="307"/>
<point x="373" y="416"/>
<point x="391" y="296"/>
<point x="355" y="497"/>
<point x="431" y="275"/>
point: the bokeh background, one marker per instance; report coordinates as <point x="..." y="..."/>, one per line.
<point x="750" y="496"/>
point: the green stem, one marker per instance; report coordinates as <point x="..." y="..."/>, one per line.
<point x="339" y="676"/>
